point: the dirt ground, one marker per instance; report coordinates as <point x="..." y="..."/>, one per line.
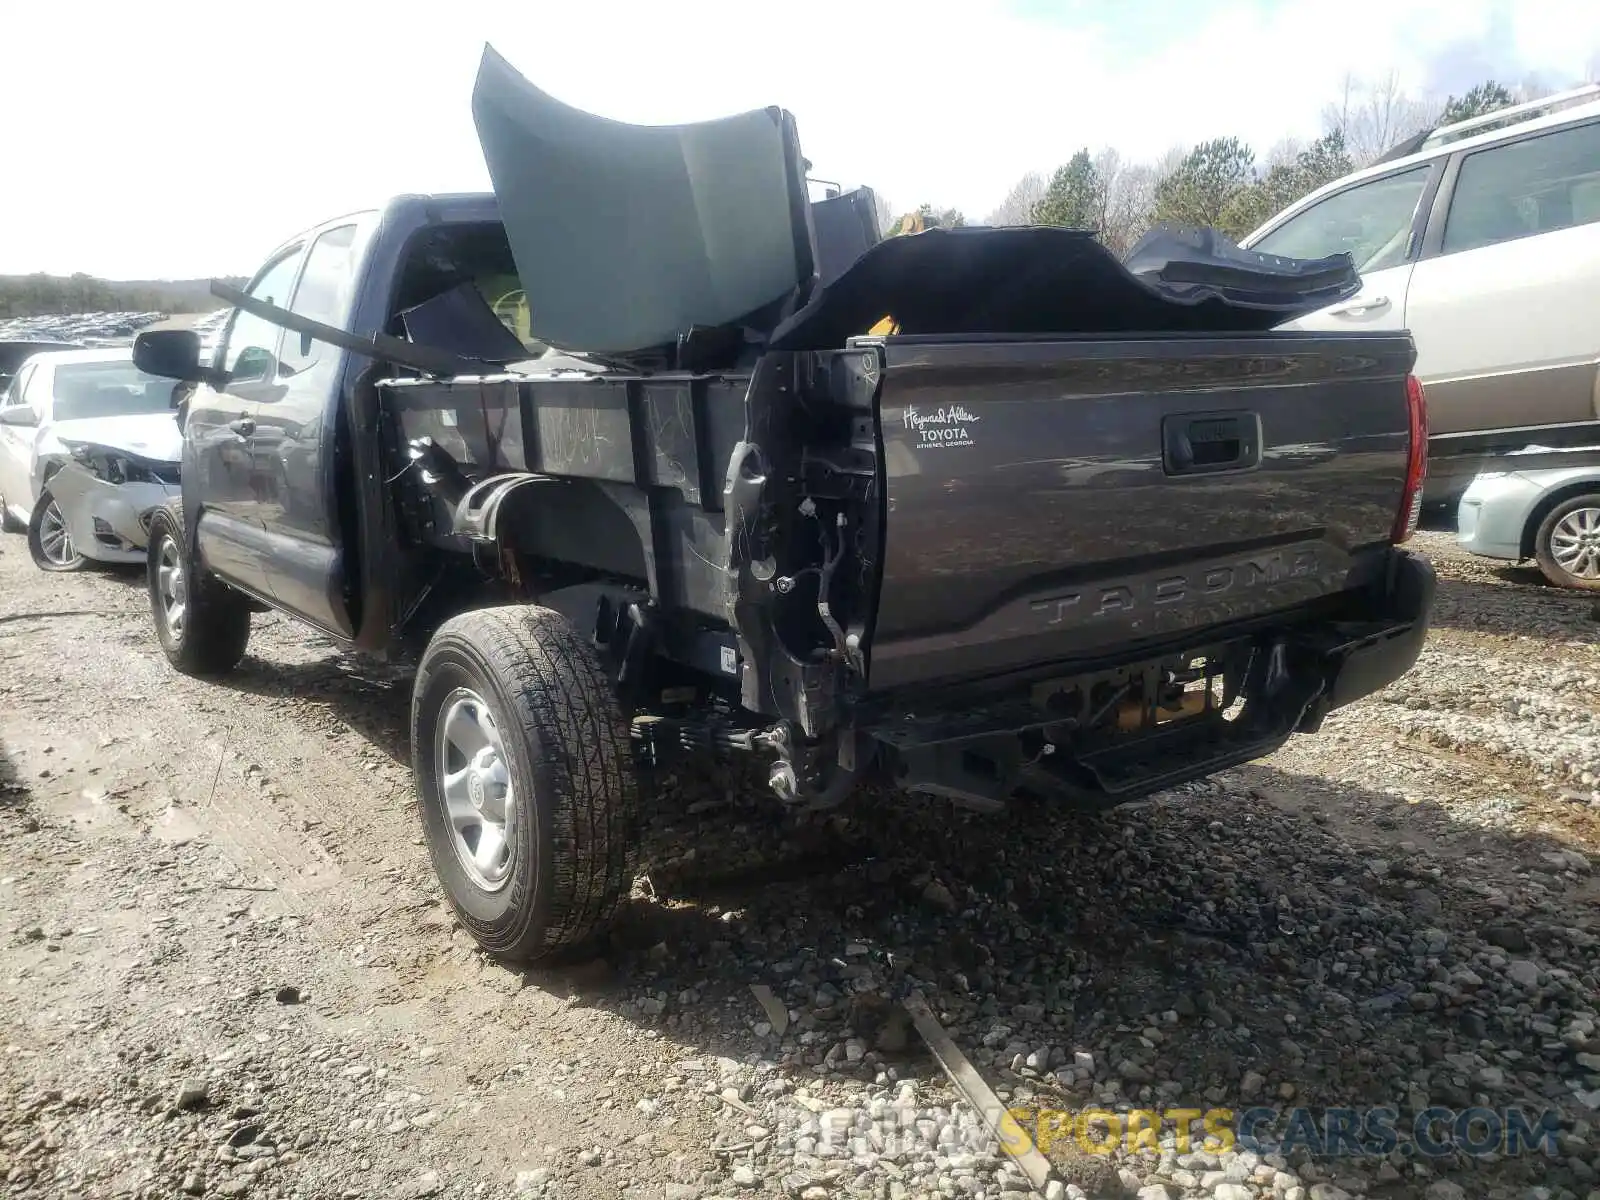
<point x="227" y="969"/>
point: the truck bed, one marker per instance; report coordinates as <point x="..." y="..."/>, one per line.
<point x="1041" y="500"/>
<point x="1054" y="521"/>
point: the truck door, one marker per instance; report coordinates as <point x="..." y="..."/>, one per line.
<point x="219" y="428"/>
<point x="294" y="440"/>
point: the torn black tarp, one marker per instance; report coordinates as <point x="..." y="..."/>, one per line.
<point x="973" y="281"/>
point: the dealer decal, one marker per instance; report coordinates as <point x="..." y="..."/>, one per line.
<point x="943" y="427"/>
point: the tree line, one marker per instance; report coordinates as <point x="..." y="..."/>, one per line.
<point x="1223" y="183"/>
<point x="41" y="295"/>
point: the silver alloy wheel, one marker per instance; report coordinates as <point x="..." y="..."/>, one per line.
<point x="470" y="762"/>
<point x="55" y="541"/>
<point x="1575" y="543"/>
<point x="173" y="586"/>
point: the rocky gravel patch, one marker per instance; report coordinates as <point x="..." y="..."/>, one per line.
<point x="1398" y="914"/>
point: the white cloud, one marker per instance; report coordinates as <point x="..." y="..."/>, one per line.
<point x="181" y="138"/>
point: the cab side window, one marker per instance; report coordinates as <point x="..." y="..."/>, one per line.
<point x="250" y="346"/>
<point x="323" y="294"/>
<point x="15" y="390"/>
<point x="29" y="391"/>
<point x="1527" y="187"/>
<point x="1370" y="221"/>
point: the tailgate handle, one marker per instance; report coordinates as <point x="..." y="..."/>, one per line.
<point x="1206" y="443"/>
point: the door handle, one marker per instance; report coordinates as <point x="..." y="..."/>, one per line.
<point x="1204" y="443"/>
<point x="1361" y="304"/>
<point x="244" y="426"/>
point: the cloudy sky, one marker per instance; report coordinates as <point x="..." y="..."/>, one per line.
<point x="168" y="139"/>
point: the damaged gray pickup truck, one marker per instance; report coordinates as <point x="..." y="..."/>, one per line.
<point x="613" y="453"/>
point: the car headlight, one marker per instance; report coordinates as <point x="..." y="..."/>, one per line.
<point x="111" y="466"/>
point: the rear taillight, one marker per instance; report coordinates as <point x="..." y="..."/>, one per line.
<point x="1405" y="520"/>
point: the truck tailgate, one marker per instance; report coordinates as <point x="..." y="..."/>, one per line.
<point x="1054" y="499"/>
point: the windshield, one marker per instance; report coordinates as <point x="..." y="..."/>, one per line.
<point x="83" y="391"/>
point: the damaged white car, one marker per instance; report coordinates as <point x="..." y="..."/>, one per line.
<point x="89" y="447"/>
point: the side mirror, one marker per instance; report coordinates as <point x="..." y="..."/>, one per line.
<point x="18" y="414"/>
<point x="172" y="354"/>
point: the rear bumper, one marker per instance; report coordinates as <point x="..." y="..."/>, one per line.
<point x="1296" y="674"/>
<point x="1372" y="662"/>
<point x="1301" y="676"/>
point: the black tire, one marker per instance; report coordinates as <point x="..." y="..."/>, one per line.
<point x="46" y="510"/>
<point x="1544" y="550"/>
<point x="214" y="630"/>
<point x="8" y="523"/>
<point x="573" y="789"/>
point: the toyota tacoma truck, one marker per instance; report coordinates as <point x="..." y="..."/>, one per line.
<point x="612" y="457"/>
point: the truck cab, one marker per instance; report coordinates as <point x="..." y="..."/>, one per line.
<point x="271" y="454"/>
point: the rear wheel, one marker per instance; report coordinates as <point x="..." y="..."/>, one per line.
<point x="1567" y="544"/>
<point x="203" y="624"/>
<point x="525" y="779"/>
<point x="49" y="539"/>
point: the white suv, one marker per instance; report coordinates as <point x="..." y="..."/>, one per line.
<point x="1485" y="243"/>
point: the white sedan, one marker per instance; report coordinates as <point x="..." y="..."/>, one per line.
<point x="1551" y="515"/>
<point x="89" y="447"/>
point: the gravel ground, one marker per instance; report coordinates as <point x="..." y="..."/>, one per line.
<point x="228" y="972"/>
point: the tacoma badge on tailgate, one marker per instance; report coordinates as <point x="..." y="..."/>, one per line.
<point x="1200" y="583"/>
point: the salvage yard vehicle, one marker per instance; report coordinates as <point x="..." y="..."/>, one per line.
<point x="1549" y="513"/>
<point x="88" y="449"/>
<point x="1072" y="532"/>
<point x="1482" y="239"/>
<point x="16" y="351"/>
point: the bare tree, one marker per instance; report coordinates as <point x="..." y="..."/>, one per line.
<point x="1130" y="198"/>
<point x="1017" y="208"/>
<point x="1283" y="153"/>
<point x="1373" y="116"/>
<point x="886" y="215"/>
<point x="1532" y="88"/>
<point x="1108" y="166"/>
<point x="1170" y="161"/>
